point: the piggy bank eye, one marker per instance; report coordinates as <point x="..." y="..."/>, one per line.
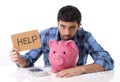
<point x="64" y="52"/>
<point x="54" y="52"/>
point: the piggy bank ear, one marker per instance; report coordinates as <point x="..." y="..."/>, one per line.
<point x="52" y="43"/>
<point x="71" y="43"/>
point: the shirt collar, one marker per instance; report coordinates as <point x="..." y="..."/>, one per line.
<point x="57" y="35"/>
<point x="78" y="35"/>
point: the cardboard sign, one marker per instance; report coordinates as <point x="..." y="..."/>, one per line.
<point x="26" y="40"/>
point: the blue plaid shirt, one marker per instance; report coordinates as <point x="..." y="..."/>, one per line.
<point x="86" y="43"/>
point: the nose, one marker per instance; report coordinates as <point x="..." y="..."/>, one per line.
<point x="67" y="31"/>
<point x="58" y="60"/>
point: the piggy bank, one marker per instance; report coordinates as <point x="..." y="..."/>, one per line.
<point x="62" y="54"/>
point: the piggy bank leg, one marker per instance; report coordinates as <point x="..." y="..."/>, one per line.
<point x="54" y="70"/>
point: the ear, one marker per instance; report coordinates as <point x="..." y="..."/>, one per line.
<point x="52" y="43"/>
<point x="71" y="43"/>
<point x="79" y="26"/>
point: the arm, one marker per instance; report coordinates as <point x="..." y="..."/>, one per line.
<point x="17" y="58"/>
<point x="27" y="59"/>
<point x="102" y="61"/>
<point x="99" y="55"/>
<point x="78" y="70"/>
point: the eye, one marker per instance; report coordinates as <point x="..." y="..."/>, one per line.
<point x="54" y="52"/>
<point x="64" y="52"/>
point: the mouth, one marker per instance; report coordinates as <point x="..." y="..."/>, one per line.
<point x="66" y="37"/>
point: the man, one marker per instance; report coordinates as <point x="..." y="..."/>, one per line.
<point x="69" y="22"/>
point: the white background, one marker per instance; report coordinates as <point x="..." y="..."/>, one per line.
<point x="100" y="17"/>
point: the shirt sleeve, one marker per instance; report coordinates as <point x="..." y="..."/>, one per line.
<point x="32" y="56"/>
<point x="99" y="55"/>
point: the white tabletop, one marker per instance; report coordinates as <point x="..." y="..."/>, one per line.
<point x="15" y="74"/>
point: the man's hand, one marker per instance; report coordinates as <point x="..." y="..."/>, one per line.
<point x="16" y="57"/>
<point x="78" y="70"/>
<point x="70" y="72"/>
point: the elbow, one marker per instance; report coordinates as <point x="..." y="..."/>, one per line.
<point x="109" y="66"/>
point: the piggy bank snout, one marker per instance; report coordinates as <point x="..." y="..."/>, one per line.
<point x="58" y="60"/>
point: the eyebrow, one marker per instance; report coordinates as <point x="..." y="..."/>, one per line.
<point x="62" y="25"/>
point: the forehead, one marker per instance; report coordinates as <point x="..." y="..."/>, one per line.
<point x="69" y="24"/>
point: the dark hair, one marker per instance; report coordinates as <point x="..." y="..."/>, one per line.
<point x="69" y="13"/>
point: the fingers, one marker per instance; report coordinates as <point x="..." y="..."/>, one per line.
<point x="17" y="58"/>
<point x="14" y="51"/>
<point x="64" y="74"/>
<point x="14" y="55"/>
<point x="70" y="72"/>
<point x="68" y="75"/>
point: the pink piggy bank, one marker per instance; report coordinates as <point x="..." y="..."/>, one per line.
<point x="62" y="55"/>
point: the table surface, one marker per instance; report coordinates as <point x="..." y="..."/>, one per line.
<point x="15" y="74"/>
